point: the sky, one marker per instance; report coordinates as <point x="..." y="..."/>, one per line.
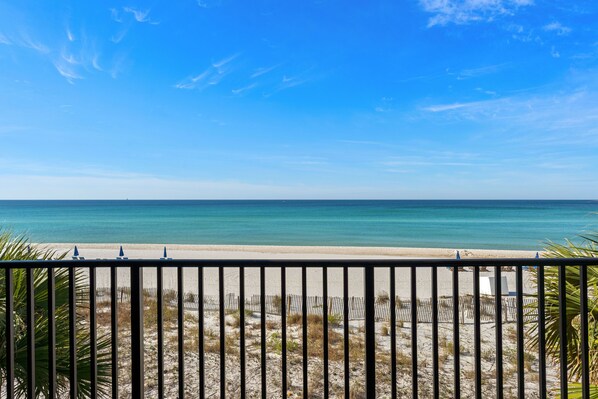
<point x="232" y="99"/>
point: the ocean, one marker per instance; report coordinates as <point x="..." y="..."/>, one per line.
<point x="403" y="223"/>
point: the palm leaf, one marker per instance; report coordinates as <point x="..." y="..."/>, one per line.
<point x="16" y="247"/>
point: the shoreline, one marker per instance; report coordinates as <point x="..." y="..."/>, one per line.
<point x="314" y="275"/>
<point x="192" y="251"/>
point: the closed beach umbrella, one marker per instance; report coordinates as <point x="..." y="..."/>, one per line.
<point x="76" y="251"/>
<point x="121" y="253"/>
<point x="527" y="267"/>
<point x="165" y="253"/>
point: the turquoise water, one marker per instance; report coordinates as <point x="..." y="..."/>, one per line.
<point x="451" y="224"/>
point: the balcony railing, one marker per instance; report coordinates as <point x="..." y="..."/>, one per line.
<point x="365" y="315"/>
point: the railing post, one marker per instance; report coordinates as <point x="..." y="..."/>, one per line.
<point x="562" y="270"/>
<point x="137" y="332"/>
<point x="370" y="332"/>
<point x="10" y="334"/>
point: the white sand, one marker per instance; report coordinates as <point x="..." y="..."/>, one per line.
<point x="314" y="284"/>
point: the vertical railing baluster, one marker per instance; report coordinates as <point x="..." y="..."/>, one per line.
<point x="201" y="340"/>
<point x="370" y="331"/>
<point x="10" y="333"/>
<point x="222" y="332"/>
<point x="541" y="334"/>
<point x="583" y="309"/>
<point x="563" y="330"/>
<point x="477" y="333"/>
<point x="73" y="333"/>
<point x="304" y="331"/>
<point x="93" y="333"/>
<point x="242" y="362"/>
<point x="137" y="337"/>
<point x="435" y="342"/>
<point x="325" y="328"/>
<point x="498" y="330"/>
<point x="114" y="329"/>
<point x="520" y="335"/>
<point x="263" y="328"/>
<point x="346" y="356"/>
<point x="414" y="380"/>
<point x="283" y="315"/>
<point x="181" y="331"/>
<point x="456" y="334"/>
<point x="51" y="333"/>
<point x="160" y="328"/>
<point x="393" y="334"/>
<point x="30" y="333"/>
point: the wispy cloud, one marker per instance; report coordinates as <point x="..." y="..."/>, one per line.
<point x="449" y="107"/>
<point x="69" y="35"/>
<point x="263" y="70"/>
<point x="554" y="52"/>
<point x="4" y="40"/>
<point x="567" y="115"/>
<point x="209" y="3"/>
<point x="78" y="59"/>
<point x="28" y="42"/>
<point x="384" y="105"/>
<point x="209" y="77"/>
<point x="115" y="15"/>
<point x="119" y="36"/>
<point x="480" y="71"/>
<point x="243" y="90"/>
<point x="67" y="71"/>
<point x="557" y="28"/>
<point x="461" y="12"/>
<point x="288" y="82"/>
<point x="223" y="62"/>
<point x="95" y="62"/>
<point x="139" y="15"/>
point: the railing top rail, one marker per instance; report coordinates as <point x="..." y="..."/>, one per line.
<point x="430" y="262"/>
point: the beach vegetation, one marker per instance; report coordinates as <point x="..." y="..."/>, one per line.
<point x="586" y="248"/>
<point x="335" y="319"/>
<point x="382" y="298"/>
<point x="18" y="247"/>
<point x="277" y="303"/>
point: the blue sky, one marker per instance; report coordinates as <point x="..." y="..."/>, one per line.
<point x="299" y="99"/>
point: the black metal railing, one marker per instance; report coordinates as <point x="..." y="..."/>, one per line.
<point x="136" y="295"/>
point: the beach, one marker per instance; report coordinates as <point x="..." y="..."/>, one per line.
<point x="314" y="289"/>
<point x="314" y="276"/>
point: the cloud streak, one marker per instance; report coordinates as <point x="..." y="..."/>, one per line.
<point x="243" y="90"/>
<point x="67" y="71"/>
<point x="462" y="12"/>
<point x="27" y="42"/>
<point x="212" y="76"/>
<point x="565" y="116"/>
<point x="263" y="70"/>
<point x="5" y="40"/>
<point x="449" y="107"/>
